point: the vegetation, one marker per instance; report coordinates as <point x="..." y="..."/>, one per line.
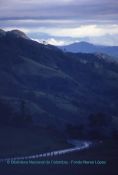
<point x="9" y="117"/>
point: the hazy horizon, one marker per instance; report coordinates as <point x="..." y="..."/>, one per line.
<point x="63" y="22"/>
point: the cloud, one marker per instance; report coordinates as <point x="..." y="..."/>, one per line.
<point x="52" y="41"/>
<point x="63" y="20"/>
<point x="108" y="40"/>
<point x="101" y="10"/>
<point x="56" y="42"/>
<point x="86" y="30"/>
<point x="98" y="34"/>
<point x="102" y="36"/>
<point x="81" y="31"/>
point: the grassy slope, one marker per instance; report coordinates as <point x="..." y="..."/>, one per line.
<point x="28" y="141"/>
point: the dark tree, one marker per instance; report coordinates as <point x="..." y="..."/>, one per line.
<point x="98" y="120"/>
<point x="5" y="113"/>
<point x="74" y="131"/>
<point x="23" y="118"/>
<point x="99" y="125"/>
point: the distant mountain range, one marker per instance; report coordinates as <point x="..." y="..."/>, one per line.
<point x="85" y="47"/>
<point x="55" y="88"/>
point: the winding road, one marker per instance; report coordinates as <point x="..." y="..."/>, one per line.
<point x="78" y="145"/>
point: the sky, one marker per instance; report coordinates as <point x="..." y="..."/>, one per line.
<point x="61" y="22"/>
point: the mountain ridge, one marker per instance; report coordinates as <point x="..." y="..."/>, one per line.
<point x="86" y="47"/>
<point x="56" y="87"/>
<point x="13" y="33"/>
